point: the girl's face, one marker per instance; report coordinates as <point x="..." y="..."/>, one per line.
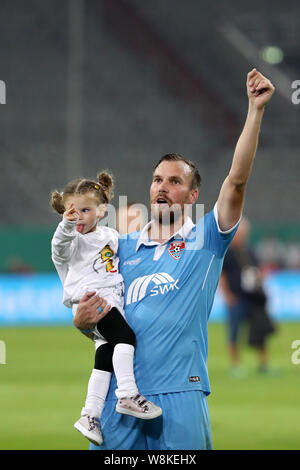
<point x="89" y="211"/>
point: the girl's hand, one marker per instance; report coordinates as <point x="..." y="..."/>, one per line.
<point x="71" y="214"/>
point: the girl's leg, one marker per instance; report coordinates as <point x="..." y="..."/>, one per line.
<point x="99" y="381"/>
<point x="89" y="423"/>
<point x="114" y="328"/>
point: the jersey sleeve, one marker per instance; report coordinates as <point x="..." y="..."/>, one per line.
<point x="215" y="239"/>
<point x="63" y="247"/>
<point x="63" y="242"/>
<point x="113" y="239"/>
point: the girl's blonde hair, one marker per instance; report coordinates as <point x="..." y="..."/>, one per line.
<point x="101" y="189"/>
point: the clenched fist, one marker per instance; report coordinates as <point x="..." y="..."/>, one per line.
<point x="259" y="89"/>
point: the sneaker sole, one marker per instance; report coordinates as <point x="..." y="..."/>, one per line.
<point x="87" y="434"/>
<point x="124" y="411"/>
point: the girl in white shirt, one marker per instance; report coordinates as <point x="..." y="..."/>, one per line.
<point x="84" y="255"/>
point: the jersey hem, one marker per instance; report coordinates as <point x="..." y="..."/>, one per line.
<point x="203" y="389"/>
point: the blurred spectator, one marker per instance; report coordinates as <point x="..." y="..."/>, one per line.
<point x="241" y="284"/>
<point x="274" y="254"/>
<point x="292" y="255"/>
<point x="270" y="253"/>
<point x="17" y="265"/>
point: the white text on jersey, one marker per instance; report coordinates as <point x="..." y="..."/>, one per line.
<point x="164" y="289"/>
<point x="138" y="288"/>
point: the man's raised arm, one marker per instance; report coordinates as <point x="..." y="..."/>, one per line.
<point x="231" y="197"/>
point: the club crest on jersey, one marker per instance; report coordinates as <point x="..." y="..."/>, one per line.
<point x="175" y="249"/>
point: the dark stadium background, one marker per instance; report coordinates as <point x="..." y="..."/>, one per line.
<point x="96" y="84"/>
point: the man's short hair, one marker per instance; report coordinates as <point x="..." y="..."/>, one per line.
<point x="176" y="157"/>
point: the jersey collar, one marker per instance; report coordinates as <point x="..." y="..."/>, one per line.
<point x="182" y="233"/>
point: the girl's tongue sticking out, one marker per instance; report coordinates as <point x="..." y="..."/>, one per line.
<point x="79" y="228"/>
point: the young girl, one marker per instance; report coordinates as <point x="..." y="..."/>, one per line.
<point x="84" y="255"/>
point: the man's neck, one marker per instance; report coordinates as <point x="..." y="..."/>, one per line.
<point x="160" y="233"/>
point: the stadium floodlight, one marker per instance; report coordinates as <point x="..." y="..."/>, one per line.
<point x="272" y="54"/>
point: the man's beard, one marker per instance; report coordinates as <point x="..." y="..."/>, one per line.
<point x="167" y="220"/>
<point x="167" y="216"/>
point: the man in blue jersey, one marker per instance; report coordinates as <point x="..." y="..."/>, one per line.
<point x="171" y="270"/>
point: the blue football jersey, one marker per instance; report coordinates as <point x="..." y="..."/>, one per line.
<point x="168" y="299"/>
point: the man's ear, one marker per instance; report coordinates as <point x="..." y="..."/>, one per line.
<point x="194" y="195"/>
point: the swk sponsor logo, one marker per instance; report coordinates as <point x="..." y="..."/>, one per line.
<point x="165" y="288"/>
<point x="163" y="283"/>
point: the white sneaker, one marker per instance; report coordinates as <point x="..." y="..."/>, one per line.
<point x="139" y="407"/>
<point x="89" y="426"/>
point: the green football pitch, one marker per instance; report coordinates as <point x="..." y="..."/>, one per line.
<point x="43" y="385"/>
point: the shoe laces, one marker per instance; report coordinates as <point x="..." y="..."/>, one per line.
<point x="93" y="423"/>
<point x="141" y="401"/>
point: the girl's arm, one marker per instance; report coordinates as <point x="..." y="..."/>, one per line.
<point x="63" y="242"/>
